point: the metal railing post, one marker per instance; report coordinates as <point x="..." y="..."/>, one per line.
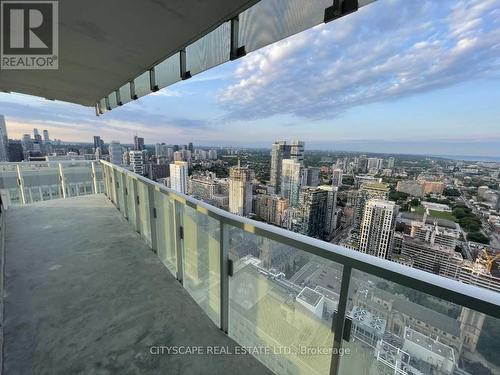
<point x="224" y="277"/>
<point x="179" y="239"/>
<point x="125" y="194"/>
<point x="20" y="183"/>
<point x="136" y="206"/>
<point x="338" y="322"/>
<point x="61" y="178"/>
<point x="152" y="218"/>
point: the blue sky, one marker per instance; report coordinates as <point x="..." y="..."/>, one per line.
<point x="397" y="76"/>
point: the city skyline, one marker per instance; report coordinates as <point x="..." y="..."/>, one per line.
<point x="442" y="103"/>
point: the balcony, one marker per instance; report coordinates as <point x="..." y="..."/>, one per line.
<point x="94" y="284"/>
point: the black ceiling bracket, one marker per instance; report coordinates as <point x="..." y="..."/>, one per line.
<point x="340" y="8"/>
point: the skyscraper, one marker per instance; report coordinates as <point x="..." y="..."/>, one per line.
<point x="46" y="136"/>
<point x="240" y="190"/>
<point x="377" y="228"/>
<point x="310" y="176"/>
<point x="138" y="143"/>
<point x="178" y="176"/>
<point x="337" y="177"/>
<point x="115" y="153"/>
<point x="367" y="191"/>
<point x="4" y="140"/>
<point x="279" y="151"/>
<point x="291" y="180"/>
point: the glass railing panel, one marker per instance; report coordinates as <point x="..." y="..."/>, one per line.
<point x="271" y="20"/>
<point x="399" y="330"/>
<point x="209" y="51"/>
<point x="282" y="299"/>
<point x="40" y="176"/>
<point x="125" y="93"/>
<point x="120" y="192"/>
<point x="142" y="84"/>
<point x="168" y="71"/>
<point x="165" y="231"/>
<point x="201" y="274"/>
<point x="144" y="215"/>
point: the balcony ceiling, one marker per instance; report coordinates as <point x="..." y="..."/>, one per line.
<point x="104" y="44"/>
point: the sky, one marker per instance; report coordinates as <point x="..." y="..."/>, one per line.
<point x="398" y="76"/>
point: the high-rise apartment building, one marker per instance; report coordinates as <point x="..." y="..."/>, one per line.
<point x="337" y="177"/>
<point x="310" y="176"/>
<point x="46" y="136"/>
<point x="138" y="143"/>
<point x="291" y="180"/>
<point x="374" y="165"/>
<point x="270" y="208"/>
<point x="15" y="151"/>
<point x="377" y="228"/>
<point x="240" y="190"/>
<point x="367" y="191"/>
<point x="4" y="140"/>
<point x="279" y="151"/>
<point x="297" y="151"/>
<point x="137" y="161"/>
<point x="115" y="153"/>
<point x="178" y="176"/>
<point x="315" y="215"/>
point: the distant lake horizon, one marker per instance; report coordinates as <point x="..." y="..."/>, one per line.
<point x="468" y="157"/>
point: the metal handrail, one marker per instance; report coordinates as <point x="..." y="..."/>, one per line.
<point x="479" y="299"/>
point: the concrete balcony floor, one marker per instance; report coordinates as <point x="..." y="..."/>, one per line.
<point x="85" y="295"/>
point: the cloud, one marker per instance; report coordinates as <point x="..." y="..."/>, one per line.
<point x="386" y="51"/>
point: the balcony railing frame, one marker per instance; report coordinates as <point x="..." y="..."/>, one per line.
<point x="470" y="296"/>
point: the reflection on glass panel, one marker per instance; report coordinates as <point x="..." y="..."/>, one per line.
<point x="165" y="231"/>
<point x="282" y="299"/>
<point x="144" y="222"/>
<point x="269" y="21"/>
<point x="211" y="50"/>
<point x="142" y="84"/>
<point x="399" y="330"/>
<point x="168" y="71"/>
<point x="41" y="176"/>
<point x="202" y="261"/>
<point x="125" y="93"/>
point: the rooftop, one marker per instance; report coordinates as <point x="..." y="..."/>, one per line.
<point x="69" y="309"/>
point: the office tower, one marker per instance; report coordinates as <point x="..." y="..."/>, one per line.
<point x="178" y="176"/>
<point x="297" y="151"/>
<point x="240" y="190"/>
<point x="46" y="136"/>
<point x="290" y="181"/>
<point x="191" y="147"/>
<point x="390" y="163"/>
<point x="212" y="154"/>
<point x="337" y="177"/>
<point x="377" y="228"/>
<point x="279" y="151"/>
<point x="138" y="143"/>
<point x="97" y="142"/>
<point x="4" y="140"/>
<point x="35" y="132"/>
<point x="137" y="161"/>
<point x="15" y="151"/>
<point x="115" y="153"/>
<point x="161" y="150"/>
<point x="310" y="176"/>
<point x="27" y="143"/>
